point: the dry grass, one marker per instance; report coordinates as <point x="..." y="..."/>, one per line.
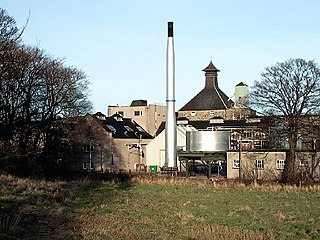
<point x="32" y="209"/>
<point x="222" y="183"/>
<point x="157" y="208"/>
<point x="123" y="228"/>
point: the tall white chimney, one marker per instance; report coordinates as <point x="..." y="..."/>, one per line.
<point x="171" y="127"/>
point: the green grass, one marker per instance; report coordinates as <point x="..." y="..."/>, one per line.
<point x="156" y="210"/>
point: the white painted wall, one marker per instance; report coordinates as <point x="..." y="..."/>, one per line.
<point x="155" y="150"/>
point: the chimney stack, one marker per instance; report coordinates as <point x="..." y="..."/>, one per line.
<point x="171" y="126"/>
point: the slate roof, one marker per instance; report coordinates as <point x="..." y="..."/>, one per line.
<point x="208" y="99"/>
<point x="211" y="97"/>
<point x="161" y="127"/>
<point x="211" y="68"/>
<point x="122" y="127"/>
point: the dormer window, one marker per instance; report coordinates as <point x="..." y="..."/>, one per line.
<point x="101" y="117"/>
<point x="118" y="118"/>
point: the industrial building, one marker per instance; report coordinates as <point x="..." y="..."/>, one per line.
<point x="155" y="150"/>
<point x="212" y="102"/>
<point x="149" y="117"/>
<point x="215" y="136"/>
<point x="226" y="137"/>
<point x="98" y="143"/>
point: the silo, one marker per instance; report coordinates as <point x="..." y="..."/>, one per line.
<point x="208" y="141"/>
<point x="241" y="95"/>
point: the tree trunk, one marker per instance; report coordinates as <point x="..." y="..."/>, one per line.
<point x="289" y="173"/>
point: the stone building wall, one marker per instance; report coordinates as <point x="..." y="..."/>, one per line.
<point x="228" y="114"/>
<point x="270" y="166"/>
<point x="148" y="117"/>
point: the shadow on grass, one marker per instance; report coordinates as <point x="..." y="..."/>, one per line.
<point x="49" y="210"/>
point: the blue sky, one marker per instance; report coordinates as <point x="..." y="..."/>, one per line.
<point x="121" y="44"/>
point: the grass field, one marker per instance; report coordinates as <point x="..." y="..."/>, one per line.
<point x="156" y="209"/>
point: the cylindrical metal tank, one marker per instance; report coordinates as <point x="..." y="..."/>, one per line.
<point x="211" y="141"/>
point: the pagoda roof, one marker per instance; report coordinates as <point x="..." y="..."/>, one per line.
<point x="211" y="68"/>
<point x="211" y="97"/>
<point x="208" y="99"/>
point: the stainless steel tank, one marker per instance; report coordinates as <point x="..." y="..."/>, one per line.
<point x="211" y="141"/>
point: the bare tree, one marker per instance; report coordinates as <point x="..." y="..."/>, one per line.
<point x="9" y="32"/>
<point x="289" y="91"/>
<point x="35" y="91"/>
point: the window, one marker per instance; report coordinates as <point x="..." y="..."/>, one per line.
<point x="247" y="134"/>
<point x="128" y="128"/>
<point x="137" y="113"/>
<point x="257" y="144"/>
<point x="216" y="120"/>
<point x="280" y="164"/>
<point x="140" y="129"/>
<point x="88" y="148"/>
<point x="182" y="122"/>
<point x="259" y="135"/>
<point x="303" y="162"/>
<point x="86" y="165"/>
<point x="111" y="128"/>
<point x="236" y="163"/>
<point x="259" y="164"/>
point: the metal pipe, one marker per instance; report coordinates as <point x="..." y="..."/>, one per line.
<point x="171" y="127"/>
<point x="90" y="154"/>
